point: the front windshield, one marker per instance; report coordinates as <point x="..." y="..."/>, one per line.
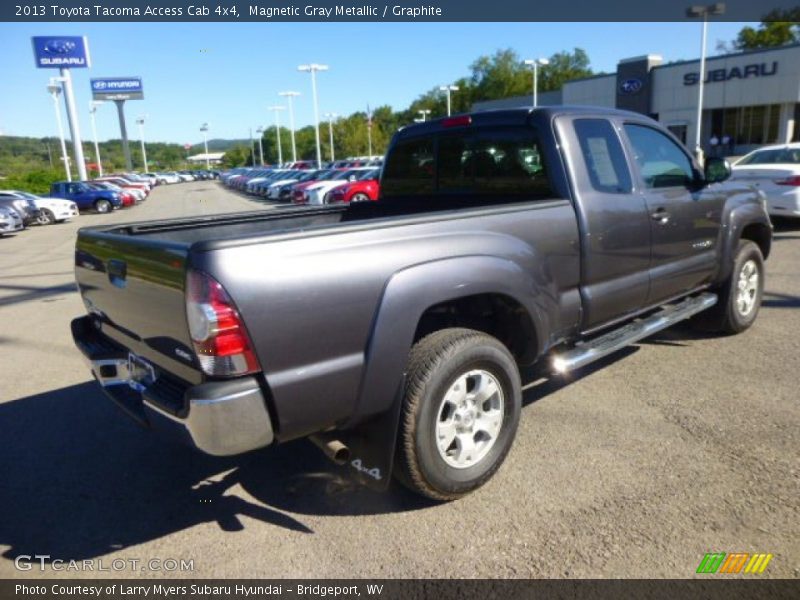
<point x="775" y="156"/>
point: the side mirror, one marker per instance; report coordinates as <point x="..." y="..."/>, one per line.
<point x="716" y="170"/>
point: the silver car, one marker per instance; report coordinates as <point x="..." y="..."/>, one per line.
<point x="25" y="207"/>
<point x="10" y="221"/>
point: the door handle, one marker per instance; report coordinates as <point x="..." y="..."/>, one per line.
<point x="660" y="215"/>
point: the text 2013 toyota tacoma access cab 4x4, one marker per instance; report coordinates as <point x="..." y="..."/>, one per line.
<point x="392" y="332"/>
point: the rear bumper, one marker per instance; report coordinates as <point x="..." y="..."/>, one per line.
<point x="221" y="418"/>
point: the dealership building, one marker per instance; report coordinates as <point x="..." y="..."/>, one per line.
<point x="750" y="98"/>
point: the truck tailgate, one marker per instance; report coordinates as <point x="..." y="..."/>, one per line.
<point x="135" y="289"/>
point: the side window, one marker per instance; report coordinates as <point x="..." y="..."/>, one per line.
<point x="72" y="188"/>
<point x="661" y="161"/>
<point x="455" y="162"/>
<point x="410" y="169"/>
<point x="603" y="156"/>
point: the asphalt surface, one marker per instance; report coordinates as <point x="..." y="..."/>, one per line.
<point x="636" y="467"/>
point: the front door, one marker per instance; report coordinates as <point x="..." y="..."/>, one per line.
<point x="684" y="215"/>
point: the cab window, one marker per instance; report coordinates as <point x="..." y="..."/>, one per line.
<point x="603" y="156"/>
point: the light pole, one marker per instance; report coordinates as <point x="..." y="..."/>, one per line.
<point x="423" y="115"/>
<point x="55" y="90"/>
<point x="140" y="123"/>
<point x="331" y="117"/>
<point x="93" y="109"/>
<point x="278" y="108"/>
<point x="534" y="64"/>
<point x="290" y="98"/>
<point x="204" y="129"/>
<point x="260" y="132"/>
<point x="313" y="68"/>
<point x="448" y="89"/>
<point x="704" y="12"/>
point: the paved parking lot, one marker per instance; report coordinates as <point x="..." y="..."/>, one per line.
<point x="684" y="444"/>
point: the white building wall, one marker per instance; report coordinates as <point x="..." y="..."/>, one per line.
<point x="595" y="91"/>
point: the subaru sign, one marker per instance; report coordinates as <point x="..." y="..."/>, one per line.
<point x="61" y="52"/>
<point x="630" y="86"/>
<point x="117" y="88"/>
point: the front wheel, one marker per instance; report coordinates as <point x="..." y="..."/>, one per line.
<point x="740" y="295"/>
<point x="102" y="206"/>
<point x="46" y="217"/>
<point x="461" y="411"/>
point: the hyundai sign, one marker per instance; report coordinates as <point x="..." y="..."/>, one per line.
<point x="117" y="88"/>
<point x="61" y="52"/>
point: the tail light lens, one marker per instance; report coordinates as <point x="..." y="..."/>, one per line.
<point x="793" y="180"/>
<point x="218" y="334"/>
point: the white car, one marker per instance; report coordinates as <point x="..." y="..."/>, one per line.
<point x="775" y="170"/>
<point x="10" y="221"/>
<point x="315" y="194"/>
<point x="185" y="176"/>
<point x="51" y="210"/>
<point x="168" y="177"/>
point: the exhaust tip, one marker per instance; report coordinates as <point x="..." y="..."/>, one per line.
<point x="333" y="449"/>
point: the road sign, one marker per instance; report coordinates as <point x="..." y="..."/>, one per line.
<point x="61" y="52"/>
<point x="187" y="146"/>
<point x="117" y="88"/>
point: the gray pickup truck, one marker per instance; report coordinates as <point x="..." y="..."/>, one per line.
<point x="392" y="333"/>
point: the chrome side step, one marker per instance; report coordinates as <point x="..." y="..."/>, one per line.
<point x="596" y="348"/>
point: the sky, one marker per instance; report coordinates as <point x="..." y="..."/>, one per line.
<point x="228" y="74"/>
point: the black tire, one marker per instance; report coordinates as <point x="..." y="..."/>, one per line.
<point x="435" y="366"/>
<point x="102" y="206"/>
<point x="46" y="217"/>
<point x="728" y="316"/>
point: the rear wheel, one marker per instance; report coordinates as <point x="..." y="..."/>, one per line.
<point x="359" y="197"/>
<point x="740" y="295"/>
<point x="102" y="206"/>
<point x="461" y="410"/>
<point x="46" y="217"/>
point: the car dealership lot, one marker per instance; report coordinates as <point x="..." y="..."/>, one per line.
<point x="637" y="467"/>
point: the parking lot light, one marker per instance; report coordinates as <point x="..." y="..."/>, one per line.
<point x="313" y="68"/>
<point x="290" y="99"/>
<point x="93" y="109"/>
<point x="140" y="123"/>
<point x="423" y="115"/>
<point x="331" y="117"/>
<point x="534" y="64"/>
<point x="448" y="89"/>
<point x="277" y="109"/>
<point x="260" y="132"/>
<point x="204" y="129"/>
<point x="55" y="90"/>
<point x="702" y="12"/>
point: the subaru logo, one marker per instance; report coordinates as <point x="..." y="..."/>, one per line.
<point x="99" y="85"/>
<point x="630" y="86"/>
<point x="59" y="47"/>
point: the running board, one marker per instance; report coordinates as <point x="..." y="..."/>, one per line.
<point x="596" y="348"/>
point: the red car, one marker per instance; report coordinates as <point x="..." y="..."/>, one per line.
<point x="125" y="184"/>
<point x="355" y="191"/>
<point x="128" y="199"/>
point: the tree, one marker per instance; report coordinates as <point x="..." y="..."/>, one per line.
<point x="777" y="28"/>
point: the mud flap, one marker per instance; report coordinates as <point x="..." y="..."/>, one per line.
<point x="372" y="445"/>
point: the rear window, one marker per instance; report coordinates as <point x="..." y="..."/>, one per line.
<point x="496" y="161"/>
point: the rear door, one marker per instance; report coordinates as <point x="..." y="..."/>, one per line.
<point x="614" y="221"/>
<point x="684" y="214"/>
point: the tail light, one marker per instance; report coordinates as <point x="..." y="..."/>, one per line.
<point x="793" y="180"/>
<point x="218" y="334"/>
<point x="459" y="121"/>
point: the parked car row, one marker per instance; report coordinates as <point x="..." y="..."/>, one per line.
<point x="167" y="177"/>
<point x="20" y="209"/>
<point x="335" y="184"/>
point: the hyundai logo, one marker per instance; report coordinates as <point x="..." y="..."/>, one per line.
<point x="631" y="86"/>
<point x="99" y="85"/>
<point x="59" y="47"/>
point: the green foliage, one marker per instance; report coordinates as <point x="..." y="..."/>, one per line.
<point x="777" y="28"/>
<point x="36" y="181"/>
